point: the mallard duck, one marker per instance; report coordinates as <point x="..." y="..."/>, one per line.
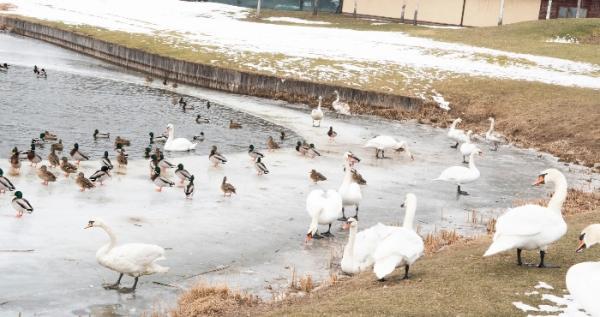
<point x="39" y="141"/>
<point x="119" y="149"/>
<point x="20" y="204"/>
<point x="33" y="158"/>
<point x="227" y="188"/>
<point x="160" y="181"/>
<point x="100" y="135"/>
<point x="83" y="182"/>
<point x="271" y="144"/>
<point x="184" y="105"/>
<point x="189" y="188"/>
<point x="106" y="161"/>
<point x="282" y="136"/>
<point x="122" y="141"/>
<point x="147" y="152"/>
<point x="159" y="139"/>
<point x="48" y="136"/>
<point x="312" y="152"/>
<point x="164" y="164"/>
<point x="53" y="159"/>
<point x="199" y="138"/>
<point x="45" y="175"/>
<point x="182" y="173"/>
<point x="5" y="183"/>
<point x="261" y="168"/>
<point x="215" y="157"/>
<point x="332" y="134"/>
<point x="77" y="155"/>
<point x="67" y="167"/>
<point x="201" y="120"/>
<point x="153" y="163"/>
<point x="122" y="159"/>
<point x="357" y="178"/>
<point x="254" y="154"/>
<point x="58" y="147"/>
<point x="100" y="175"/>
<point x="316" y="176"/>
<point x="234" y="125"/>
<point x="15" y="162"/>
<point x="302" y="148"/>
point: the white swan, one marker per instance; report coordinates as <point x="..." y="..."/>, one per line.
<point x="358" y="252"/>
<point x="493" y="137"/>
<point x="317" y="114"/>
<point x="179" y="144"/>
<point x="383" y="142"/>
<point x="349" y="190"/>
<point x="455" y="134"/>
<point x="533" y="227"/>
<point x="340" y="106"/>
<point x="133" y="259"/>
<point x="583" y="279"/>
<point x="460" y="175"/>
<point x="323" y="209"/>
<point x="467" y="148"/>
<point x="402" y="247"/>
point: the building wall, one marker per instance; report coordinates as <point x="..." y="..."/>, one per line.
<point x="593" y="7"/>
<point x="477" y="12"/>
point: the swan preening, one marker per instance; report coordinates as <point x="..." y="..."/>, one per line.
<point x="456" y="134"/>
<point x="493" y="137"/>
<point x="583" y="279"/>
<point x="383" y="142"/>
<point x="383" y="247"/>
<point x="533" y="227"/>
<point x="349" y="190"/>
<point x="461" y="175"/>
<point x="179" y="144"/>
<point x="323" y="208"/>
<point x="133" y="259"/>
<point x="317" y="114"/>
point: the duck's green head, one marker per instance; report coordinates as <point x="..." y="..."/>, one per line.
<point x="42" y="136"/>
<point x="147" y="150"/>
<point x="151" y="134"/>
<point x="298" y="143"/>
<point x="179" y="167"/>
<point x="105" y="154"/>
<point x="18" y="194"/>
<point x="1" y="172"/>
<point x="251" y="147"/>
<point x="96" y="132"/>
<point x="157" y="170"/>
<point x="119" y="146"/>
<point x="15" y="150"/>
<point x="191" y="178"/>
<point x="76" y="146"/>
<point x="64" y="159"/>
<point x="153" y="157"/>
<point x="32" y="147"/>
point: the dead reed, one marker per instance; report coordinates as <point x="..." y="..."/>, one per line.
<point x="207" y="300"/>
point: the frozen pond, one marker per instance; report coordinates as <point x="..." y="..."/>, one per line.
<point x="254" y="236"/>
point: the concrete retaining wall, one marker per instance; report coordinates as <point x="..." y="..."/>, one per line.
<point x="204" y="75"/>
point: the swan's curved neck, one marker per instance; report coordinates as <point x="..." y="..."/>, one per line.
<point x="409" y="217"/>
<point x="348" y="175"/>
<point x="453" y="125"/>
<point x="491" y="126"/>
<point x="111" y="236"/>
<point x="472" y="160"/>
<point x="560" y="193"/>
<point x="170" y="137"/>
<point x="337" y="96"/>
<point x="320" y="102"/>
<point x="349" y="249"/>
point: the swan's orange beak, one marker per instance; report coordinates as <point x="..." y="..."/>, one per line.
<point x="309" y="237"/>
<point x="581" y="246"/>
<point x="346" y="226"/>
<point x="540" y="181"/>
<point x="88" y="226"/>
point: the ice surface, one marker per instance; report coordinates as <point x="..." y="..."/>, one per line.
<point x="256" y="235"/>
<point x="219" y="26"/>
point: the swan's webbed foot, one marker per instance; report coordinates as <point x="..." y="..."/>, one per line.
<point x="461" y="192"/>
<point x="454" y="146"/>
<point x="343" y="218"/>
<point x="543" y="265"/>
<point x="317" y="236"/>
<point x="126" y="290"/>
<point x="111" y="286"/>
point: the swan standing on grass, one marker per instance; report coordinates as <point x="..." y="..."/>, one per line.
<point x="349" y="190"/>
<point x="583" y="279"/>
<point x="323" y="209"/>
<point x="317" y="114"/>
<point x="533" y="227"/>
<point x="461" y="175"/>
<point x="402" y="247"/>
<point x="455" y="134"/>
<point x="179" y="144"/>
<point x="133" y="259"/>
<point x="467" y="148"/>
<point x="340" y="106"/>
<point x="358" y="252"/>
<point x="493" y="137"/>
<point x="383" y="142"/>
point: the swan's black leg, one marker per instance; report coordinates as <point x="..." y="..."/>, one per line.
<point x="114" y="286"/>
<point x="406" y="267"/>
<point x="328" y="232"/>
<point x="519" y="261"/>
<point x="454" y="146"/>
<point x="131" y="289"/>
<point x="382" y="153"/>
<point x="465" y="160"/>
<point x="356" y="215"/>
<point x="461" y="192"/>
<point x="343" y="215"/>
<point x="542" y="264"/>
<point x="376" y="153"/>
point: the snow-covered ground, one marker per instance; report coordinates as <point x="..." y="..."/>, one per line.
<point x="222" y="28"/>
<point x="561" y="305"/>
<point x="255" y="236"/>
<point x="295" y="20"/>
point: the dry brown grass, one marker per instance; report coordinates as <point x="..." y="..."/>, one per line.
<point x="437" y="240"/>
<point x="490" y="226"/>
<point x="577" y="202"/>
<point x="207" y="300"/>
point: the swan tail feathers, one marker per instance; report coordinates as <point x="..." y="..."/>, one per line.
<point x="498" y="246"/>
<point x="385" y="266"/>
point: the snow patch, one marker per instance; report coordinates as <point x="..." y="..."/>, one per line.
<point x="524" y="307"/>
<point x="567" y="39"/>
<point x="531" y="293"/>
<point x="543" y="285"/>
<point x="295" y="20"/>
<point x="442" y="103"/>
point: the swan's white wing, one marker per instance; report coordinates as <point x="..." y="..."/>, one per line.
<point x="402" y="246"/>
<point x="367" y="241"/>
<point x="133" y="257"/>
<point x="583" y="282"/>
<point x="518" y="226"/>
<point x="453" y="173"/>
<point x="315" y="201"/>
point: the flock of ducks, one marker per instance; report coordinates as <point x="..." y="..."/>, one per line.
<point x="381" y="248"/>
